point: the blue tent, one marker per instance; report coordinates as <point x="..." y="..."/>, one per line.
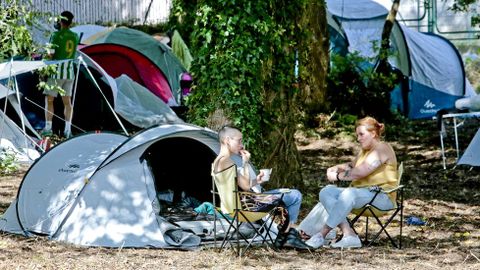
<point x="432" y="67"/>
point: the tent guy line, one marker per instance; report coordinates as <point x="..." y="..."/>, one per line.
<point x="59" y="117"/>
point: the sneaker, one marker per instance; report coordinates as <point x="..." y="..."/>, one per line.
<point x="294" y="241"/>
<point x="67" y="134"/>
<point x="46" y="132"/>
<point x="331" y="235"/>
<point x="348" y="242"/>
<point x="315" y="241"/>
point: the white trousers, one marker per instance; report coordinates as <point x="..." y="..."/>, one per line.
<point x="335" y="205"/>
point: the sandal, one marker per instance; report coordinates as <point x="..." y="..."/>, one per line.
<point x="304" y="235"/>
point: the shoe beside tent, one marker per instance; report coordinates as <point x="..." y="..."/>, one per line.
<point x="100" y="189"/>
<point x="433" y="68"/>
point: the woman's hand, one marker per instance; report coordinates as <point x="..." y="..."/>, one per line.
<point x="245" y="156"/>
<point x="332" y="175"/>
<point x="259" y="178"/>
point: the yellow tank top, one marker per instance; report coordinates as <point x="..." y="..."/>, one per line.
<point x="385" y="176"/>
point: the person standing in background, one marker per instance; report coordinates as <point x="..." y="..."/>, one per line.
<point x="63" y="47"/>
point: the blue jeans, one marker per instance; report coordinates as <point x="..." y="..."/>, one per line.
<point x="339" y="202"/>
<point x="292" y="200"/>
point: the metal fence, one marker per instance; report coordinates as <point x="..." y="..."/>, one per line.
<point x="109" y="11"/>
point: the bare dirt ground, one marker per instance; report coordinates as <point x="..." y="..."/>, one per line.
<point x="448" y="200"/>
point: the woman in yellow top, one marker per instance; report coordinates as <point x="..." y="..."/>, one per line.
<point x="376" y="165"/>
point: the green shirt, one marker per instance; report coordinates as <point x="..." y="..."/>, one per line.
<point x="64" y="42"/>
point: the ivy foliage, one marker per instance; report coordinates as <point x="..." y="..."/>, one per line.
<point x="16" y="20"/>
<point x="8" y="162"/>
<point x="244" y="64"/>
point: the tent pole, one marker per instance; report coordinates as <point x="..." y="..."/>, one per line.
<point x="17" y="93"/>
<point x="6" y="98"/>
<point x="443" y="150"/>
<point x="106" y="100"/>
<point x="75" y="90"/>
<point x="18" y="100"/>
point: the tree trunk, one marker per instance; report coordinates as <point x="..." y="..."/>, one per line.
<point x="383" y="65"/>
<point x="282" y="154"/>
<point x="314" y="57"/>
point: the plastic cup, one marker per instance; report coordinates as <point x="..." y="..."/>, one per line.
<point x="266" y="174"/>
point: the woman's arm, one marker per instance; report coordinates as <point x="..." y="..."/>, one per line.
<point x="244" y="177"/>
<point x="342" y="167"/>
<point x="374" y="160"/>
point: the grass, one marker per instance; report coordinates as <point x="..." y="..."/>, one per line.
<point x="448" y="200"/>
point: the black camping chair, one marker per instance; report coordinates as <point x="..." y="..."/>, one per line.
<point x="369" y="210"/>
<point x="248" y="208"/>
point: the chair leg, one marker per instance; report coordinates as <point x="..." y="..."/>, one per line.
<point x="384" y="229"/>
<point x="366" y="232"/>
<point x="401" y="220"/>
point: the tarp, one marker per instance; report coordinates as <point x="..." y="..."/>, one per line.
<point x="181" y="50"/>
<point x="13" y="68"/>
<point x="85" y="31"/>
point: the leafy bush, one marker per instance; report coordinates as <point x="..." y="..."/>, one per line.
<point x="16" y="19"/>
<point x="355" y="87"/>
<point x="8" y="162"/>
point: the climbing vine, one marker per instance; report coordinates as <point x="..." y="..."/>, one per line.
<point x="245" y="71"/>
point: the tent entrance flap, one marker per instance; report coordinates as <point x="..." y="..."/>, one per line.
<point x="181" y="165"/>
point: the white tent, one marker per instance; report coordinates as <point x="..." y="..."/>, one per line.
<point x="471" y="155"/>
<point x="16" y="140"/>
<point x="13" y="141"/>
<point x="141" y="107"/>
<point x="85" y="31"/>
<point x="100" y="189"/>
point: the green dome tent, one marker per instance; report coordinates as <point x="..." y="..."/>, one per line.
<point x="160" y="54"/>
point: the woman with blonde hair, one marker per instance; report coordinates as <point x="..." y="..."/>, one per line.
<point x="375" y="166"/>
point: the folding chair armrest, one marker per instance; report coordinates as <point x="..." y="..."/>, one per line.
<point x="258" y="194"/>
<point x="392" y="190"/>
<point x="247" y="193"/>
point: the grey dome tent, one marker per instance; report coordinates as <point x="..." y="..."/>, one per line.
<point x="432" y="65"/>
<point x="99" y="189"/>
